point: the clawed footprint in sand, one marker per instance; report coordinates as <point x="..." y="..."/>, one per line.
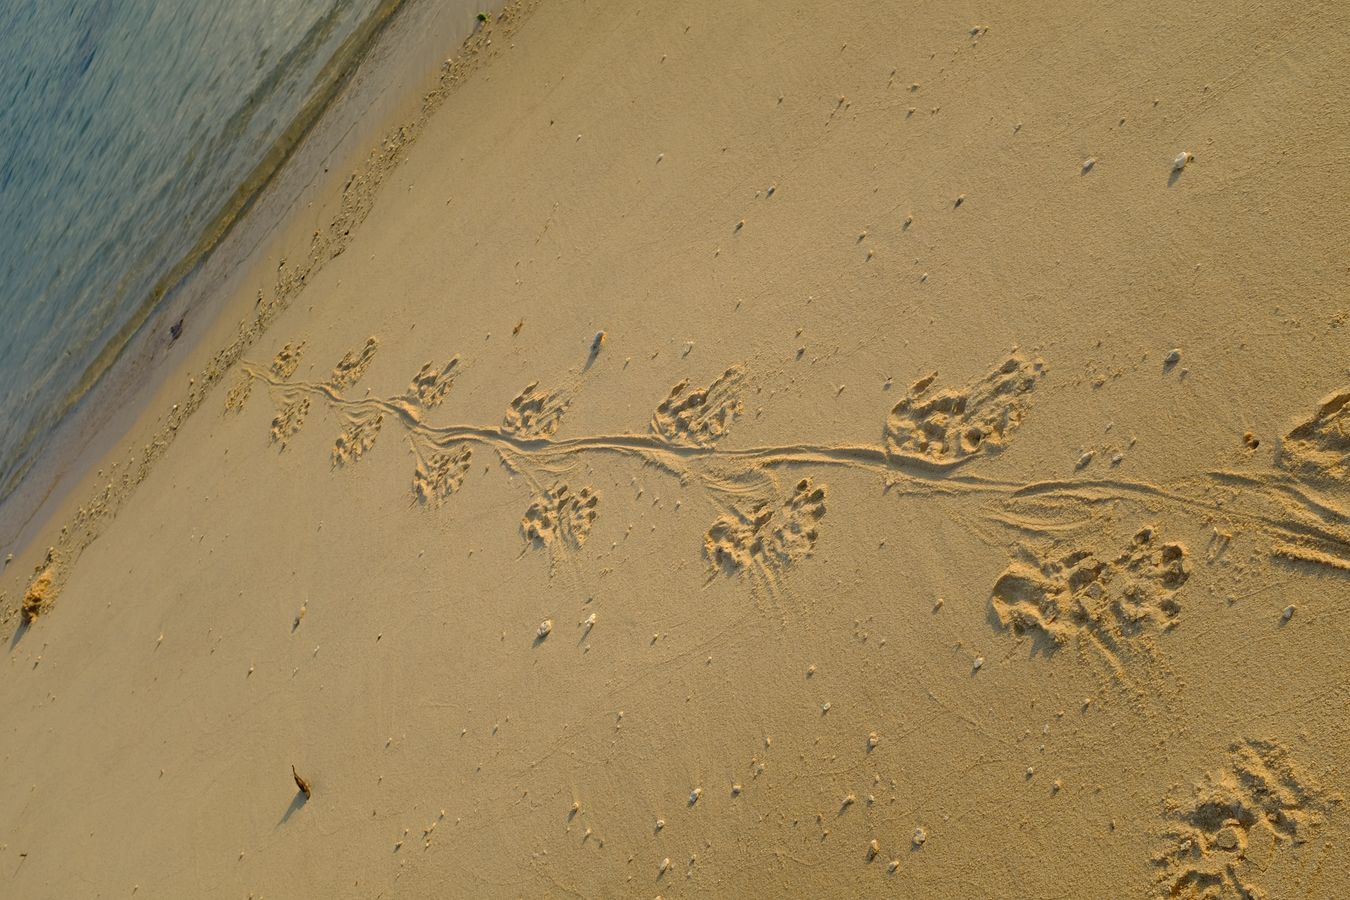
<point x="948" y="427"/>
<point x="560" y="514"/>
<point x="440" y="474"/>
<point x="768" y="536"/>
<point x="703" y="416"/>
<point x="1108" y="603"/>
<point x="1235" y="823"/>
<point x="1319" y="446"/>
<point x="351" y="367"/>
<point x="536" y="413"/>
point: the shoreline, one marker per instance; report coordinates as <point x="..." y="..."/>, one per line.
<point x="331" y="80"/>
<point x="384" y="86"/>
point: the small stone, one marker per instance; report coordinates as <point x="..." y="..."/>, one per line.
<point x="892" y="866"/>
<point x="1288" y="613"/>
<point x="824" y="708"/>
<point x="660" y="823"/>
<point x="1088" y="164"/>
<point x="920" y="836"/>
<point x="1184" y="157"/>
<point x="665" y="865"/>
<point x="872" y="741"/>
<point x="979" y="663"/>
<point x="694" y="795"/>
<point x="1173" y="357"/>
<point x="545" y="628"/>
<point x="873" y="848"/>
<point x="736" y="789"/>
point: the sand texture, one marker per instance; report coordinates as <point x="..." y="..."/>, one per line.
<point x="842" y="449"/>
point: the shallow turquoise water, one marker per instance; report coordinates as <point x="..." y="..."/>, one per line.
<point x="124" y="127"/>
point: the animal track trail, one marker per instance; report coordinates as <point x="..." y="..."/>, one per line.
<point x="441" y="475"/>
<point x="952" y="426"/>
<point x="1234" y="823"/>
<point x="357" y="438"/>
<point x="430" y="386"/>
<point x="1111" y="604"/>
<point x="560" y="515"/>
<point x="535" y="413"/>
<point x="353" y="365"/>
<point x="287" y="360"/>
<point x="701" y="417"/>
<point x="767" y="538"/>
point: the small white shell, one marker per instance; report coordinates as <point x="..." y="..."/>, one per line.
<point x="1183" y="157"/>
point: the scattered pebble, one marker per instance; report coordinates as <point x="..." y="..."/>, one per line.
<point x="893" y="866"/>
<point x="545" y="628"/>
<point x="1173" y="357"/>
<point x="1088" y="164"/>
<point x="979" y="663"/>
<point x="1288" y="613"/>
<point x="1085" y="459"/>
<point x="920" y="836"/>
<point x="873" y="848"/>
<point x="1184" y="157"/>
<point x="694" y="795"/>
<point x="824" y="708"/>
<point x="736" y="789"/>
<point x="872" y="741"/>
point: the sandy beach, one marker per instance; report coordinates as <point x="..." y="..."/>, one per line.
<point x="687" y="450"/>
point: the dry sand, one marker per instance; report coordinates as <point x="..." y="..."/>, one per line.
<point x="738" y="451"/>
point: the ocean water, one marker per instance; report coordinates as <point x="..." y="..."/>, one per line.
<point x="127" y="128"/>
